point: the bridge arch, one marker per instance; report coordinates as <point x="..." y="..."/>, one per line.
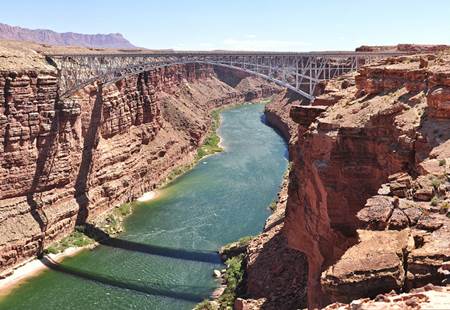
<point x="299" y="72"/>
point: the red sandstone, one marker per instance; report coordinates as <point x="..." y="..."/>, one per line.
<point x="67" y="162"/>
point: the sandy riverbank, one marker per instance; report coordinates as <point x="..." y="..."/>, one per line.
<point x="147" y="196"/>
<point x="34" y="267"/>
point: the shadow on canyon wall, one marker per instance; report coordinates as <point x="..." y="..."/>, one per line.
<point x="91" y="137"/>
<point x="231" y="79"/>
<point x="45" y="162"/>
<point x="284" y="268"/>
<point x="174" y="291"/>
<point x="41" y="174"/>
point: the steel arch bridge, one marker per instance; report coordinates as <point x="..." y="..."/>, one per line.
<point x="299" y="72"/>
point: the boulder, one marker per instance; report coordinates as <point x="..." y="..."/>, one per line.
<point x="374" y="265"/>
<point x="376" y="213"/>
<point x="428" y="262"/>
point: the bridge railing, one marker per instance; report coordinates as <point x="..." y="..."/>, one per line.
<point x="300" y="72"/>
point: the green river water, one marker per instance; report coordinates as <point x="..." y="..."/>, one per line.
<point x="166" y="256"/>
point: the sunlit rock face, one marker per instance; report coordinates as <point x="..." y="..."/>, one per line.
<point x="68" y="161"/>
<point x="390" y="117"/>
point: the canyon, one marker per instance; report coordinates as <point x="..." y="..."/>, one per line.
<point x="362" y="219"/>
<point x="368" y="191"/>
<point x="382" y="128"/>
<point x="66" y="162"/>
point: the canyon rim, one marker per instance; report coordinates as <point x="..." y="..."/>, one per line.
<point x="146" y="177"/>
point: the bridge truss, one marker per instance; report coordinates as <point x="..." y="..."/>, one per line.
<point x="299" y="72"/>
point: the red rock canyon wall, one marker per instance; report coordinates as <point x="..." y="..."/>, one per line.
<point x="66" y="162"/>
<point x="363" y="129"/>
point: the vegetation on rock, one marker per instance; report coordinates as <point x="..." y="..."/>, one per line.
<point x="211" y="144"/>
<point x="233" y="254"/>
<point x="75" y="239"/>
<point x="235" y="248"/>
<point x="112" y="224"/>
<point x="233" y="277"/>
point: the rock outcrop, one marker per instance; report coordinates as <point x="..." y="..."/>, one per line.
<point x="275" y="274"/>
<point x="65" y="162"/>
<point x="427" y="298"/>
<point x="418" y="223"/>
<point x="413" y="48"/>
<point x="346" y="197"/>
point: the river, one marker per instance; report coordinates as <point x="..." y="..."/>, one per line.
<point x="167" y="254"/>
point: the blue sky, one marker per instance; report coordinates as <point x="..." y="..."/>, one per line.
<point x="278" y="25"/>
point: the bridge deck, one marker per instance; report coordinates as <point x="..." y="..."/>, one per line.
<point x="235" y="53"/>
<point x="300" y="72"/>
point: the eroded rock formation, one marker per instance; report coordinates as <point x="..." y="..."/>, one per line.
<point x="427" y="298"/>
<point x="64" y="162"/>
<point x="417" y="48"/>
<point x="361" y="236"/>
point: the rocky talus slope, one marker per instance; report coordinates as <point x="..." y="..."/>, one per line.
<point x="275" y="275"/>
<point x="65" y="162"/>
<point x="369" y="193"/>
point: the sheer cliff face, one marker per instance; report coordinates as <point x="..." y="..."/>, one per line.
<point x="385" y="120"/>
<point x="63" y="162"/>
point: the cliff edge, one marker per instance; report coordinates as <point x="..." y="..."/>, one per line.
<point x="368" y="193"/>
<point x="64" y="162"/>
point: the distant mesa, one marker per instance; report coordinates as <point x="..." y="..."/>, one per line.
<point x="43" y="36"/>
<point x="416" y="48"/>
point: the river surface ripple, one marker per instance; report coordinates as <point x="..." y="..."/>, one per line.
<point x="166" y="256"/>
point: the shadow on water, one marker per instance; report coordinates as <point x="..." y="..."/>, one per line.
<point x="105" y="239"/>
<point x="180" y="292"/>
<point x="263" y="120"/>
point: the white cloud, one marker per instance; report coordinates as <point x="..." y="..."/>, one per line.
<point x="247" y="43"/>
<point x="206" y="45"/>
<point x="252" y="44"/>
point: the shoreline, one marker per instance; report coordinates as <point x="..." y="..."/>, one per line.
<point x="147" y="196"/>
<point x="240" y="246"/>
<point x="35" y="266"/>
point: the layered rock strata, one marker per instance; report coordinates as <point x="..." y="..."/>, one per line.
<point x="413" y="48"/>
<point x="391" y="117"/>
<point x="63" y="163"/>
<point x="427" y="298"/>
<point x="368" y="194"/>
